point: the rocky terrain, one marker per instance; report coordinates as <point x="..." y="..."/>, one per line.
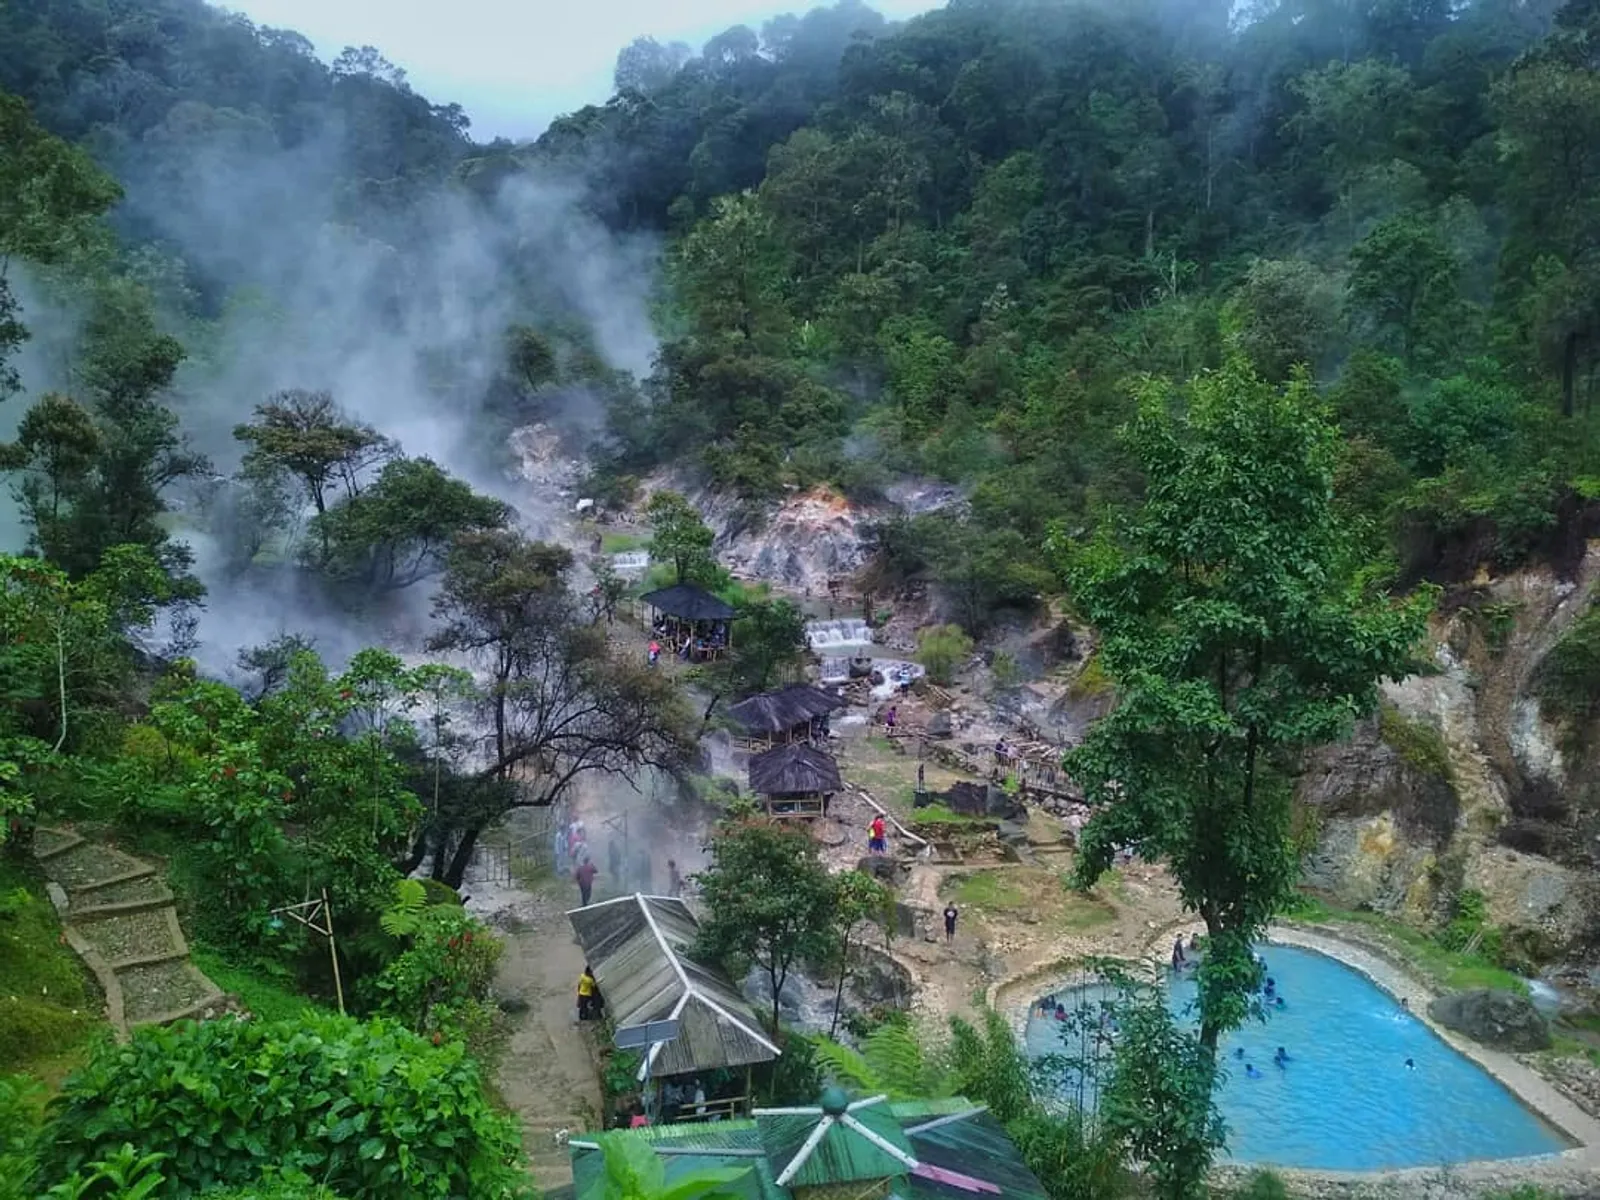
<point x="1464" y="784"/>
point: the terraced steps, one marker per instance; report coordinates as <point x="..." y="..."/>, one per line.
<point x="120" y="918"/>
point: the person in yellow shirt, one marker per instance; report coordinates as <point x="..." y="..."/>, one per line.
<point x="588" y="989"/>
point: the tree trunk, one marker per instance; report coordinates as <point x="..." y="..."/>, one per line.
<point x="461" y="859"/>
<point x="838" y="991"/>
<point x="1569" y="372"/>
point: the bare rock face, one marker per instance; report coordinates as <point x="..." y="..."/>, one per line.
<point x="1465" y="785"/>
<point x="809" y="539"/>
<point x="1497" y="1019"/>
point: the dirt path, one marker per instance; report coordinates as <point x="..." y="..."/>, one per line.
<point x="548" y="1075"/>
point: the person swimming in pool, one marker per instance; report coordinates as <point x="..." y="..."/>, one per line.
<point x="1279" y="1002"/>
<point x="1272" y="985"/>
<point x="1281" y="1058"/>
<point x="1238" y="1051"/>
<point x="1250" y="1071"/>
<point x="1411" y="1064"/>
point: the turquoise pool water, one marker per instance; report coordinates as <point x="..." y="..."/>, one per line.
<point x="1345" y="1100"/>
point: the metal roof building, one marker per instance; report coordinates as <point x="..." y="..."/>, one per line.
<point x="919" y="1150"/>
<point x="639" y="948"/>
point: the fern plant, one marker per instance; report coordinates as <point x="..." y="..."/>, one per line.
<point x="404" y="917"/>
<point x="891" y="1062"/>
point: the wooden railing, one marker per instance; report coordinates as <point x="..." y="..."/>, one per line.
<point x="711" y="1110"/>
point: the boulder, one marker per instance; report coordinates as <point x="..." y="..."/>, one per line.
<point x="1498" y="1019"/>
<point x="940" y="725"/>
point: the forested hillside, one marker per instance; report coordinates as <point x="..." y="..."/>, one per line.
<point x="946" y="248"/>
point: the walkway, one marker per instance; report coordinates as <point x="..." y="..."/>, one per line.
<point x="118" y="915"/>
<point x="547" y="1075"/>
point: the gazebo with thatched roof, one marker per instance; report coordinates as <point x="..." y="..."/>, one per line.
<point x="795" y="780"/>
<point x="796" y="713"/>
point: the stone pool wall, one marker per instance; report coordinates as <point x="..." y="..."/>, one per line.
<point x="1574" y="1174"/>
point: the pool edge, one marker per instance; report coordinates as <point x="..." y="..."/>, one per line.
<point x="1578" y="1165"/>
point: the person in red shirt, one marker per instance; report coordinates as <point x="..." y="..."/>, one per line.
<point x="585" y="876"/>
<point x="877" y="842"/>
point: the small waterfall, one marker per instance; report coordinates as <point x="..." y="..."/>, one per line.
<point x="631" y="563"/>
<point x="835" y="670"/>
<point x="847" y="631"/>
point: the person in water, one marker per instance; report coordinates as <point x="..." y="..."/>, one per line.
<point x="1250" y="1071"/>
<point x="1238" y="1051"/>
<point x="1272" y="985"/>
<point x="1281" y="1057"/>
<point x="1411" y="1065"/>
<point x="1177" y="955"/>
<point x="1279" y="1002"/>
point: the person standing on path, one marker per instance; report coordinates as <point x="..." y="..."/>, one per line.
<point x="951" y="912"/>
<point x="585" y="876"/>
<point x="674" y="880"/>
<point x="877" y="842"/>
<point x="587" y="987"/>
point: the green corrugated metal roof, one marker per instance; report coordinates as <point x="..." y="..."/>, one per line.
<point x="975" y="1145"/>
<point x="843" y="1155"/>
<point x="589" y="1173"/>
<point x="731" y="1135"/>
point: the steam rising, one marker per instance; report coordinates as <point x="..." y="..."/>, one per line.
<point x="406" y="330"/>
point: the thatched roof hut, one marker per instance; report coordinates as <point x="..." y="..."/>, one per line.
<point x="785" y="710"/>
<point x="688" y="603"/>
<point x="794" y="770"/>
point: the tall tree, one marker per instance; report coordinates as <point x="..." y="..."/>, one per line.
<point x="305" y="434"/>
<point x="51" y="196"/>
<point x="769" y="900"/>
<point x="1236" y="635"/>
<point x="678" y="535"/>
<point x="561" y="705"/>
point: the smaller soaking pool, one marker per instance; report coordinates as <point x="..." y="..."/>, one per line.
<point x="1345" y="1100"/>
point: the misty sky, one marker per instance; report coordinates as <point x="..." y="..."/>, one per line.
<point x="513" y="66"/>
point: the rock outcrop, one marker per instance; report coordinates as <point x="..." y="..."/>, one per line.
<point x="1462" y="783"/>
<point x="1497" y="1019"/>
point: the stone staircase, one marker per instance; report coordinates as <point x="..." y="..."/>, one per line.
<point x="119" y="917"/>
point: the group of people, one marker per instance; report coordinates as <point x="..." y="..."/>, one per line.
<point x="686" y="644"/>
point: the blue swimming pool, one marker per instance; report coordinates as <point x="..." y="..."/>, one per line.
<point x="1345" y="1100"/>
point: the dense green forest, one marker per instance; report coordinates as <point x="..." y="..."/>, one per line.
<point x="266" y="323"/>
<point x="947" y="248"/>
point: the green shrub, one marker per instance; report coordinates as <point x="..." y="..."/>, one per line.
<point x="364" y="1108"/>
<point x="1419" y="743"/>
<point x="942" y="649"/>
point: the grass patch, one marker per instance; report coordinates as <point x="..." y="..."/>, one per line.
<point x="1029" y="894"/>
<point x="1419" y="743"/>
<point x="48" y="1008"/>
<point x="621" y="543"/>
<point x="938" y="814"/>
<point x="268" y="998"/>
<point x="1449" y="969"/>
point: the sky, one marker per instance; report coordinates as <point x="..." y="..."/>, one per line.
<point x="515" y="66"/>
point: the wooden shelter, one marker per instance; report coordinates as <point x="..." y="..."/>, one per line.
<point x="695" y="624"/>
<point x="639" y="948"/>
<point x="795" y="780"/>
<point x="797" y="713"/>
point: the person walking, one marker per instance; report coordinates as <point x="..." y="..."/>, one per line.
<point x="877" y="841"/>
<point x="585" y="876"/>
<point x="587" y="989"/>
<point x="951" y="912"/>
<point x="674" y="880"/>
